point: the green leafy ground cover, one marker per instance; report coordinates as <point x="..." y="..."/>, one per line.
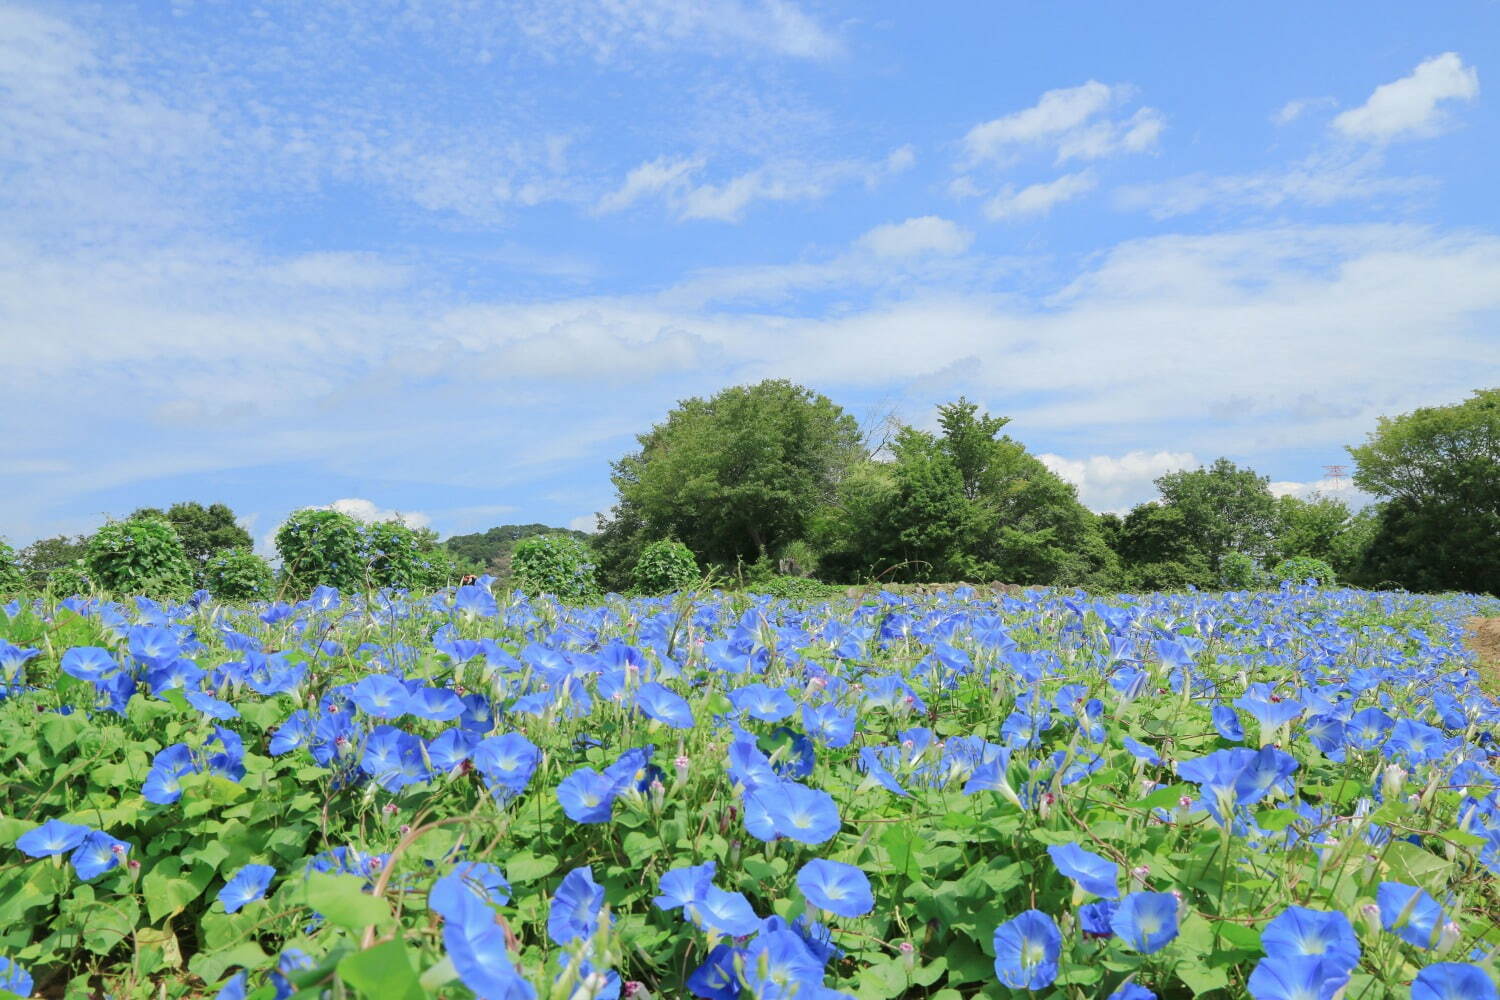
<point x="1276" y="794"/>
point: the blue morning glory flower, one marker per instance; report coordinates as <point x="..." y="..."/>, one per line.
<point x="778" y="965"/>
<point x="1026" y="951"/>
<point x="234" y="987"/>
<point x="246" y="886"/>
<point x="1409" y="913"/>
<point x="1132" y="991"/>
<point x="476" y="945"/>
<point x="450" y="749"/>
<point x="1094" y="918"/>
<point x="393" y="757"/>
<point x="587" y="796"/>
<point x="721" y="912"/>
<point x="211" y="706"/>
<point x="507" y="762"/>
<point x="1227" y="722"/>
<point x="1146" y="921"/>
<point x="659" y="702"/>
<point x="381" y="695"/>
<point x="1453" y="981"/>
<point x="89" y="663"/>
<point x="1141" y="752"/>
<point x="792" y="810"/>
<point x="1296" y="977"/>
<point x="14" y="978"/>
<point x="435" y="704"/>
<point x="1089" y="870"/>
<point x="685" y="885"/>
<point x="475" y="878"/>
<point x="1301" y="931"/>
<point x="97" y="854"/>
<point x="836" y="887"/>
<point x="52" y="837"/>
<point x="718" y="978"/>
<point x="575" y="907"/>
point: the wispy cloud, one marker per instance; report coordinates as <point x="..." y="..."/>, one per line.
<point x="1038" y="199"/>
<point x="1413" y="106"/>
<point x="1118" y="482"/>
<point x="1320" y="179"/>
<point x="1069" y="121"/>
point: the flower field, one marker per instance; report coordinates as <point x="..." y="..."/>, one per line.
<point x="1287" y="795"/>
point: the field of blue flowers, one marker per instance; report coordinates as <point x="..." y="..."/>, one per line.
<point x="1287" y="795"/>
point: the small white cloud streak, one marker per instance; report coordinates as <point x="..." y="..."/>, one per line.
<point x="924" y="235"/>
<point x="1409" y="107"/>
<point x="1038" y="199"/>
<point x="368" y="512"/>
<point x="1070" y="120"/>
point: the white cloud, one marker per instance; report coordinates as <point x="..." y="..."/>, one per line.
<point x="1294" y="109"/>
<point x="1320" y="179"/>
<point x="1409" y="107"/>
<point x="1067" y="119"/>
<point x="1038" y="199"/>
<point x="1117" y="483"/>
<point x="651" y="178"/>
<point x="781" y="181"/>
<point x="368" y="512"/>
<point x="1336" y="489"/>
<point x="588" y="523"/>
<point x="928" y="234"/>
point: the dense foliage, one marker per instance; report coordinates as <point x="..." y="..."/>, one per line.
<point x="735" y="477"/>
<point x="12" y="577"/>
<point x="665" y="567"/>
<point x="141" y="555"/>
<point x="966" y="504"/>
<point x="556" y="565"/>
<point x="1303" y="569"/>
<point x="490" y="551"/>
<point x="45" y="556"/>
<point x="1438" y="471"/>
<point x="202" y="530"/>
<point x="320" y="547"/>
<point x="1282" y="794"/>
<point x="238" y="575"/>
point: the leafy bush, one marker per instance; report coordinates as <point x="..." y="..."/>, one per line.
<point x="437" y="568"/>
<point x="321" y="548"/>
<point x="665" y="567"/>
<point x="393" y="557"/>
<point x="1238" y="571"/>
<point x="238" y="575"/>
<point x="556" y="565"/>
<point x="12" y="580"/>
<point x="139" y="556"/>
<point x="68" y="581"/>
<point x="1300" y="569"/>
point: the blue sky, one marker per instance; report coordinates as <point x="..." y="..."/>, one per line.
<point x="447" y="257"/>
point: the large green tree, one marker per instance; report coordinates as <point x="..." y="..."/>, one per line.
<point x="737" y="476"/>
<point x="1222" y="509"/>
<point x="1437" y="471"/>
<point x="39" y="560"/>
<point x="203" y="530"/>
<point x="965" y="504"/>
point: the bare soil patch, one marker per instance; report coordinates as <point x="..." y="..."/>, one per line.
<point x="1483" y="637"/>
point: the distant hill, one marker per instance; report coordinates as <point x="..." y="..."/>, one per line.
<point x="490" y="550"/>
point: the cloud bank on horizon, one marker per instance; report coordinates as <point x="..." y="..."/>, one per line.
<point x="449" y="265"/>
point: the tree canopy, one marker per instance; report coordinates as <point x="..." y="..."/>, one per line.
<point x="202" y="530"/>
<point x="1437" y="472"/>
<point x="737" y="476"/>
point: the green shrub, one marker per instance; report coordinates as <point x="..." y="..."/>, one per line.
<point x="665" y="567"/>
<point x="556" y="565"/>
<point x="321" y="548"/>
<point x="1300" y="569"/>
<point x="393" y="557"/>
<point x="69" y="581"/>
<point x="12" y="580"/>
<point x="238" y="575"/>
<point x="139" y="556"/>
<point x="437" y="568"/>
<point x="1238" y="571"/>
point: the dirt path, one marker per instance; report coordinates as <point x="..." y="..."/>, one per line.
<point x="1484" y="639"/>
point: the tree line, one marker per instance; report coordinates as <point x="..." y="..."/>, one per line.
<point x="763" y="483"/>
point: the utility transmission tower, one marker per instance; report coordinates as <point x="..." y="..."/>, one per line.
<point x="1336" y="474"/>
